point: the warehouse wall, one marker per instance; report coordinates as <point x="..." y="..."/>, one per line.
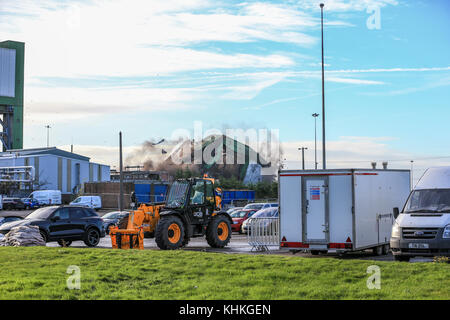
<point x="60" y="173"/>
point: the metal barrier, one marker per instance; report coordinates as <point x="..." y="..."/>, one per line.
<point x="263" y="233"/>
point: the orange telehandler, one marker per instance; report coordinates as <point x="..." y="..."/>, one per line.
<point x="192" y="209"/>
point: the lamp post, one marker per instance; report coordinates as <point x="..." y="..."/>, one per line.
<point x="121" y="174"/>
<point x="303" y="156"/>
<point x="323" y="95"/>
<point x="315" y="115"/>
<point x="48" y="135"/>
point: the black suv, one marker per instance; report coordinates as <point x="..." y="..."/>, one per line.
<point x="64" y="224"/>
<point x="13" y="203"/>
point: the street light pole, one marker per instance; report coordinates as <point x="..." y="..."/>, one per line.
<point x="48" y="134"/>
<point x="315" y="115"/>
<point x="303" y="156"/>
<point x="121" y="174"/>
<point x="323" y="96"/>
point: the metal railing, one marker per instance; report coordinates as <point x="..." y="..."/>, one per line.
<point x="263" y="233"/>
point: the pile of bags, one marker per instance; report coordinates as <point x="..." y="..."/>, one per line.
<point x="23" y="236"/>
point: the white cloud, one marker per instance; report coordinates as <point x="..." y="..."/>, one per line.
<point x="359" y="152"/>
<point x="346" y="5"/>
<point x="114" y="38"/>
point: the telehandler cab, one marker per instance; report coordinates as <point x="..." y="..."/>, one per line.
<point x="191" y="210"/>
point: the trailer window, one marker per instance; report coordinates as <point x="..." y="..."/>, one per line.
<point x="429" y="200"/>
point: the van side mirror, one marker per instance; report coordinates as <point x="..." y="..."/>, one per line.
<point x="396" y="212"/>
<point x="55" y="218"/>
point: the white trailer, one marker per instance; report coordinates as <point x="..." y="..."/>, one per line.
<point x="339" y="210"/>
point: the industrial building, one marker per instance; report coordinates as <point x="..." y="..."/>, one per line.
<point x="54" y="169"/>
<point x="12" y="55"/>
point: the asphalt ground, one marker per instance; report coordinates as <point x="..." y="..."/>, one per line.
<point x="238" y="244"/>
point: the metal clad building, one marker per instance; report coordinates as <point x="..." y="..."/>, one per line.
<point x="56" y="169"/>
<point x="12" y="59"/>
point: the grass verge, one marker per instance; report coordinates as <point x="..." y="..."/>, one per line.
<point x="41" y="273"/>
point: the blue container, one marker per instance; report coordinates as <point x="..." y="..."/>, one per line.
<point x="237" y="195"/>
<point x="147" y="193"/>
<point x="142" y="192"/>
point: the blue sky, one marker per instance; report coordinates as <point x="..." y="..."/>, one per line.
<point x="96" y="67"/>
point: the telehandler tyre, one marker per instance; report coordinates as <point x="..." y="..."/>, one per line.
<point x="169" y="233"/>
<point x="218" y="233"/>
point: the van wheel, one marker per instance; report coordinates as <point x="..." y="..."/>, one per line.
<point x="91" y="237"/>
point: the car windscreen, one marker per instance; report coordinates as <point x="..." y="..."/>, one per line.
<point x="253" y="206"/>
<point x="177" y="194"/>
<point x="429" y="200"/>
<point x="111" y="215"/>
<point x="42" y="213"/>
<point x="238" y="214"/>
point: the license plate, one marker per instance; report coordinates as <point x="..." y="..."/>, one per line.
<point x="418" y="245"/>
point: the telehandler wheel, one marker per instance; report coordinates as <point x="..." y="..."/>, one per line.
<point x="218" y="233"/>
<point x="169" y="233"/>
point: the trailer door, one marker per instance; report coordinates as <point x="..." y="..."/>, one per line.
<point x="315" y="209"/>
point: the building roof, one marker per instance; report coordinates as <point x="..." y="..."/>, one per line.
<point x="44" y="151"/>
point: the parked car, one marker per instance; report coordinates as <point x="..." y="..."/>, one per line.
<point x="63" y="224"/>
<point x="94" y="202"/>
<point x="8" y="219"/>
<point x="263" y="213"/>
<point x="46" y="197"/>
<point x="259" y="206"/>
<point x="112" y="218"/>
<point x="239" y="216"/>
<point x="231" y="210"/>
<point x="30" y="203"/>
<point x="13" y="204"/>
<point x="422" y="228"/>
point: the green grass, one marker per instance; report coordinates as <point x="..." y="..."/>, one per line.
<point x="40" y="273"/>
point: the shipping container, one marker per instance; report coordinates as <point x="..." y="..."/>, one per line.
<point x="150" y="192"/>
<point x="230" y="197"/>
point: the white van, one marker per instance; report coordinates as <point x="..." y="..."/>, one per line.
<point x="423" y="226"/>
<point x="94" y="202"/>
<point x="46" y="197"/>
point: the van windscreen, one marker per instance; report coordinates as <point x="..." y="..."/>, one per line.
<point x="429" y="200"/>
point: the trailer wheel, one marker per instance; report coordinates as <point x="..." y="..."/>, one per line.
<point x="169" y="233"/>
<point x="386" y="249"/>
<point x="218" y="233"/>
<point x="378" y="250"/>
